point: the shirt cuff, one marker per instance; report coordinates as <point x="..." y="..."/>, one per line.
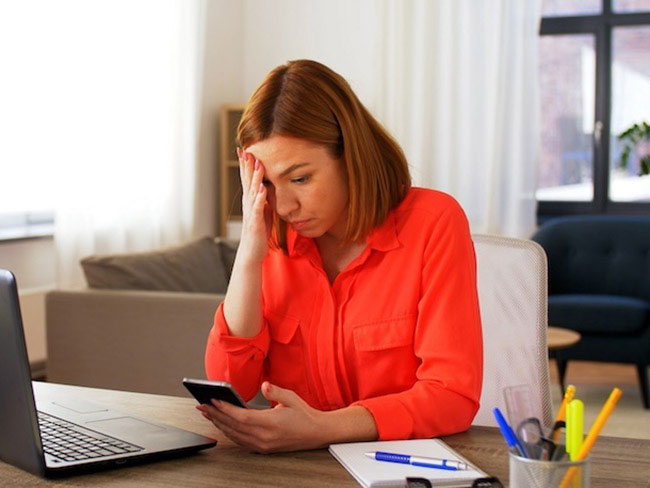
<point x="392" y="419"/>
<point x="234" y="344"/>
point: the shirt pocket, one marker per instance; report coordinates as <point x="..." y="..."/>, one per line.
<point x="385" y="356"/>
<point x="286" y="359"/>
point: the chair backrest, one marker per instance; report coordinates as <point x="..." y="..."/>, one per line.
<point x="511" y="278"/>
<point x="598" y="254"/>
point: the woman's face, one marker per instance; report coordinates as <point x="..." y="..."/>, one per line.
<point x="306" y="186"/>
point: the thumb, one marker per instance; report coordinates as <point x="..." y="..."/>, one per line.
<point x="283" y="396"/>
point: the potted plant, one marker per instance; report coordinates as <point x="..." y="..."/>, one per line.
<point x="635" y="137"/>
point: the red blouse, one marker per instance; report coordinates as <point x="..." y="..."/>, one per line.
<point x="398" y="331"/>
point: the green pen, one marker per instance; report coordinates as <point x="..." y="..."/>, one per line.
<point x="574" y="428"/>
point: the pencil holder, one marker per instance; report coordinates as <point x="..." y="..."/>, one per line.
<point x="532" y="473"/>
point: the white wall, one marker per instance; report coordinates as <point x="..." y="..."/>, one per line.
<point x="339" y="33"/>
<point x="222" y="84"/>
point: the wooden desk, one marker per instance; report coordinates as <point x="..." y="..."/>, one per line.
<point x="616" y="461"/>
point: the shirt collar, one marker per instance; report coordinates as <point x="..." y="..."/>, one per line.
<point x="384" y="237"/>
<point x="381" y="238"/>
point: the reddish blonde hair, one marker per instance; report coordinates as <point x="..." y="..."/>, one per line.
<point x="306" y="100"/>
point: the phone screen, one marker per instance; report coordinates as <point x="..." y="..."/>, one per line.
<point x="204" y="391"/>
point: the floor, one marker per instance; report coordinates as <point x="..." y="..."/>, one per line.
<point x="594" y="382"/>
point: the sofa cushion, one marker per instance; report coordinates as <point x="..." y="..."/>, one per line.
<point x="193" y="267"/>
<point x="228" y="249"/>
<point x="598" y="314"/>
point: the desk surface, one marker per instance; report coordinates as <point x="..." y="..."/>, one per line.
<point x="616" y="461"/>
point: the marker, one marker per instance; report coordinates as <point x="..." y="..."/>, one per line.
<point x="574" y="428"/>
<point x="424" y="462"/>
<point x="508" y="434"/>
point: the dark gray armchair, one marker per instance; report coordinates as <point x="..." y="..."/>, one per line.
<point x="599" y="285"/>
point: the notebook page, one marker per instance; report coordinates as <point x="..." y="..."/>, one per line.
<point x="370" y="473"/>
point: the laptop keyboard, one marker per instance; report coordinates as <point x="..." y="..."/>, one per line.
<point x="65" y="441"/>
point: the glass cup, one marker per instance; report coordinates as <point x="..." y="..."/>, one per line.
<point x="532" y="473"/>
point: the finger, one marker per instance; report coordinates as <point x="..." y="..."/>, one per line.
<point x="256" y="180"/>
<point x="241" y="433"/>
<point x="239" y="416"/>
<point x="221" y="418"/>
<point x="282" y="396"/>
<point x="258" y="204"/>
<point x="242" y="171"/>
<point x="248" y="168"/>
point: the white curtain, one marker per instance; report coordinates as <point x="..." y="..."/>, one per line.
<point x="129" y="75"/>
<point x="457" y="86"/>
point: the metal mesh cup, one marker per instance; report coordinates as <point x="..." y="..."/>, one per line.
<point x="532" y="473"/>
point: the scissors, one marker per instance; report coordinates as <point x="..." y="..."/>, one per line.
<point x="531" y="435"/>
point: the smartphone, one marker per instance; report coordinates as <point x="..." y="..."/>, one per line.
<point x="205" y="390"/>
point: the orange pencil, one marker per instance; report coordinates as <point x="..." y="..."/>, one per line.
<point x="561" y="414"/>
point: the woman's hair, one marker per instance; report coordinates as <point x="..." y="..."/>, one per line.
<point x="306" y="100"/>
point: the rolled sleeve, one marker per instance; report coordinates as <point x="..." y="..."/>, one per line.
<point x="237" y="360"/>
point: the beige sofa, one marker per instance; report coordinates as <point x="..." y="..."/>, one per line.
<point x="132" y="339"/>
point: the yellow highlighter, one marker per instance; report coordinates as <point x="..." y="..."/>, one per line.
<point x="589" y="441"/>
<point x="574" y="428"/>
<point x="561" y="415"/>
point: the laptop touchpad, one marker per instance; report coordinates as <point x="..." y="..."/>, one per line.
<point x="124" y="425"/>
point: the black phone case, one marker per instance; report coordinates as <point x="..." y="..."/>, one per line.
<point x="204" y="393"/>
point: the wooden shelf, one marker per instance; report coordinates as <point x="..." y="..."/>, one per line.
<point x="230" y="184"/>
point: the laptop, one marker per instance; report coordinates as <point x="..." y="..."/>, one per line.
<point x="50" y="434"/>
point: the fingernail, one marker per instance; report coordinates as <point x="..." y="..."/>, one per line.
<point x="261" y="187"/>
<point x="257" y="164"/>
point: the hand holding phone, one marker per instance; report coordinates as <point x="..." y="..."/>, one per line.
<point x="206" y="390"/>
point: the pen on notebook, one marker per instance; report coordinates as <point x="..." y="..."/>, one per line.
<point x="511" y="439"/>
<point x="424" y="462"/>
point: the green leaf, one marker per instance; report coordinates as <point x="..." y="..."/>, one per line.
<point x="645" y="165"/>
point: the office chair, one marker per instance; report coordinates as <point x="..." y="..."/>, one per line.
<point x="511" y="276"/>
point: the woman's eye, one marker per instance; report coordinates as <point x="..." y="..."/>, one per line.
<point x="302" y="179"/>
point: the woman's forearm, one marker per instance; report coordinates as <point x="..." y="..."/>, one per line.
<point x="349" y="424"/>
<point x="242" y="306"/>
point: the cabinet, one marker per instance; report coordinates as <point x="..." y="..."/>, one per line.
<point x="230" y="214"/>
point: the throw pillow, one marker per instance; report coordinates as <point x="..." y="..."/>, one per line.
<point x="193" y="267"/>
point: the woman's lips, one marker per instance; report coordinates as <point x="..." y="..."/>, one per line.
<point x="299" y="224"/>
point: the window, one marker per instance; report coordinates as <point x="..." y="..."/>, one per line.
<point x="594" y="60"/>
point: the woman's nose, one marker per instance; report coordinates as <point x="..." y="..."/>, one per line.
<point x="285" y="204"/>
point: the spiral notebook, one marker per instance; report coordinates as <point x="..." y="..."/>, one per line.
<point x="371" y="473"/>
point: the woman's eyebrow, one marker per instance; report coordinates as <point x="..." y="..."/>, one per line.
<point x="292" y="168"/>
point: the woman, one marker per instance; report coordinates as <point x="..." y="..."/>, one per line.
<point x="352" y="300"/>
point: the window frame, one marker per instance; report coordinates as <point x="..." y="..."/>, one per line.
<point x="18" y="226"/>
<point x="600" y="26"/>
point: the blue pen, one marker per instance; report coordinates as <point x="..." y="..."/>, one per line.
<point x="511" y="438"/>
<point x="424" y="462"/>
